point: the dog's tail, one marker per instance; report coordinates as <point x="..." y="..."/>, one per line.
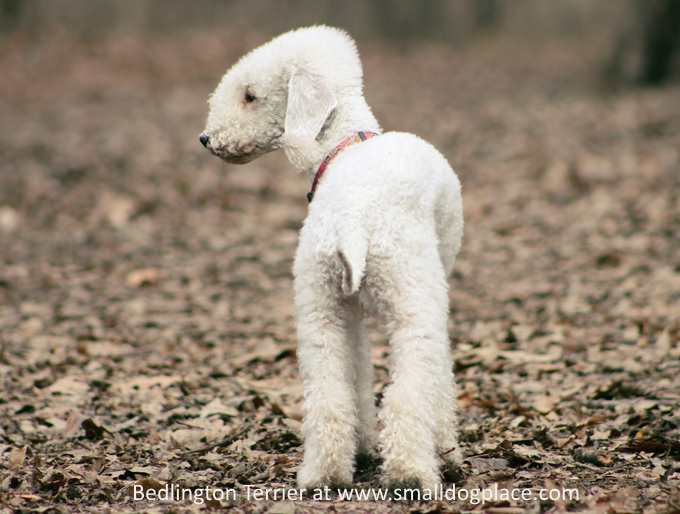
<point x="352" y="250"/>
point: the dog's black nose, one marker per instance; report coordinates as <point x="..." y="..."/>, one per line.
<point x="204" y="139"/>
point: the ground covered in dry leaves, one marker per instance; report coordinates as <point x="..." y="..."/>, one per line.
<point x="147" y="332"/>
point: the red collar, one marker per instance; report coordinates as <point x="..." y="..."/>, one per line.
<point x="357" y="137"/>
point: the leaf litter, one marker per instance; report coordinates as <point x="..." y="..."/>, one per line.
<point x="147" y="327"/>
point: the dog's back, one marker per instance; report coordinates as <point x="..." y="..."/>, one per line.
<point x="385" y="198"/>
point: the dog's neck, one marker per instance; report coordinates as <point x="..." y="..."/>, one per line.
<point x="351" y="116"/>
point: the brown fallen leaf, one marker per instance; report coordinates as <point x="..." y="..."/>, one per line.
<point x="545" y="403"/>
<point x="216" y="408"/>
<point x="150" y="484"/>
<point x="645" y="441"/>
<point x="282" y="508"/>
<point x="116" y="209"/>
<point x="486" y="464"/>
<point x="17" y="457"/>
<point x="9" y="219"/>
<point x="93" y="431"/>
<point x="143" y="277"/>
<point x="71" y="427"/>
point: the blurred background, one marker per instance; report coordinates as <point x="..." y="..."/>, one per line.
<point x="141" y="279"/>
<point x="642" y="33"/>
<point x="637" y="38"/>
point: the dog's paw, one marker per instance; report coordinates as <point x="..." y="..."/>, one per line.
<point x="411" y="479"/>
<point x="310" y="477"/>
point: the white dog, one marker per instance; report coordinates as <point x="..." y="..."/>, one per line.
<point x="384" y="226"/>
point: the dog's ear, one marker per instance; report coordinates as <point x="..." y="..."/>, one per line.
<point x="310" y="103"/>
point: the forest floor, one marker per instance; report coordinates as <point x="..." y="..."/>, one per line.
<point x="146" y="321"/>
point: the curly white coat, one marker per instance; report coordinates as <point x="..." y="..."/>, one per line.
<point x="382" y="235"/>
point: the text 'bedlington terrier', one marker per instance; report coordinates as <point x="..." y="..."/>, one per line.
<point x="383" y="230"/>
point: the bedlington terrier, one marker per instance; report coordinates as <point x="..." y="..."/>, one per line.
<point x="384" y="226"/>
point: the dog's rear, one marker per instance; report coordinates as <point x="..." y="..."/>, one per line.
<point x="387" y="223"/>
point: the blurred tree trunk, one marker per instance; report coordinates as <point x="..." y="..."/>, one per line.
<point x="10" y="13"/>
<point x="487" y="13"/>
<point x="644" y="50"/>
<point x="661" y="36"/>
<point x="405" y="20"/>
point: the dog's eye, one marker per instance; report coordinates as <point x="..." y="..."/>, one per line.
<point x="249" y="97"/>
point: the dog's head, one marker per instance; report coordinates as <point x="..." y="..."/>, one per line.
<point x="282" y="94"/>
